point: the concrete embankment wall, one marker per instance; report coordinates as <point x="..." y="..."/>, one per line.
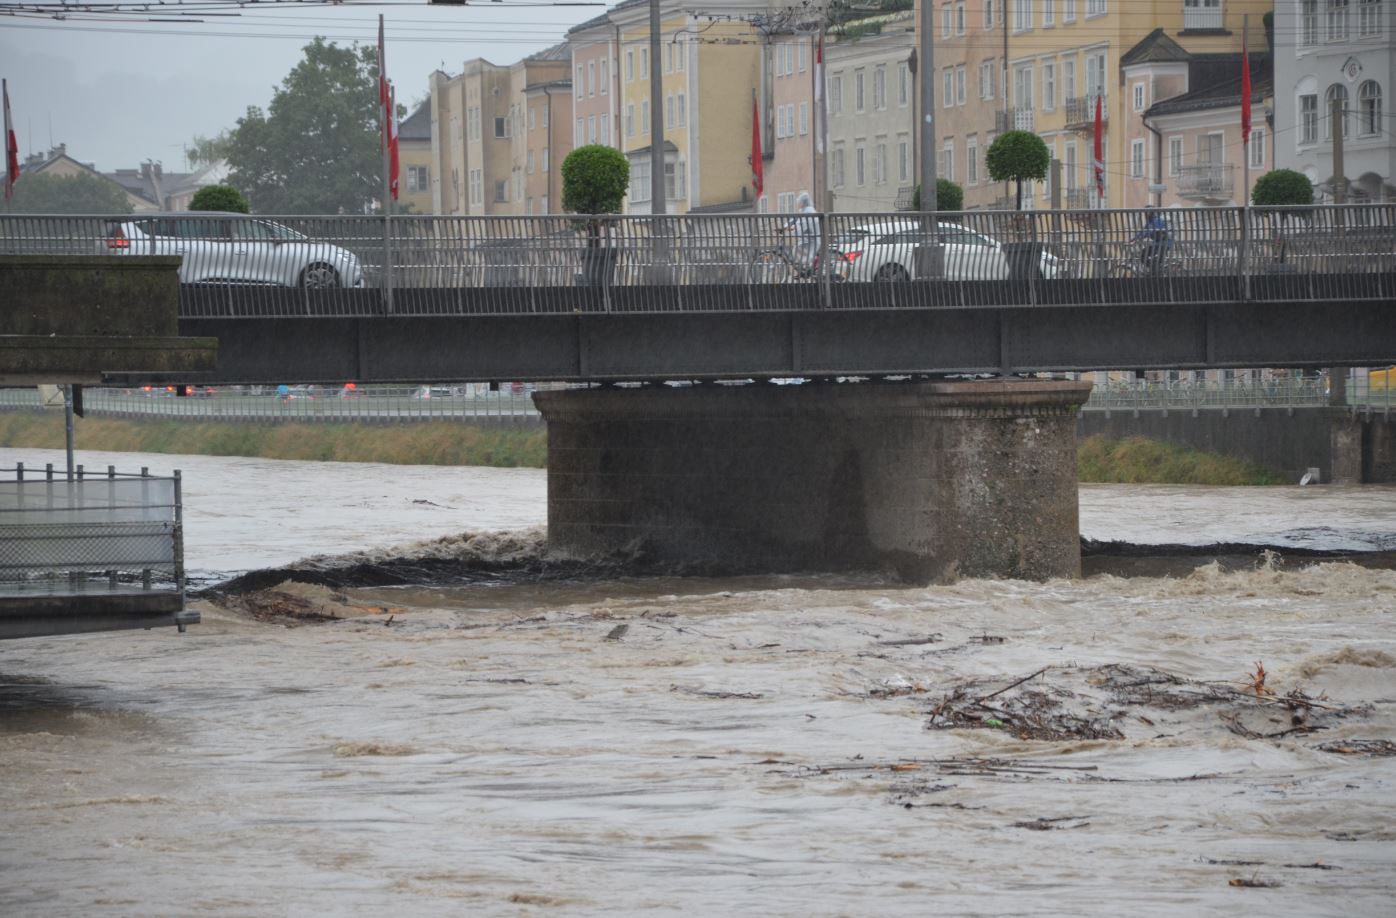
<point x="1343" y="446"/>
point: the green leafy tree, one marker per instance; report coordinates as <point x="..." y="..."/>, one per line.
<point x="949" y="196"/>
<point x="83" y="193"/>
<point x="595" y="179"/>
<point x="1282" y="186"/>
<point x="221" y="198"/>
<point x="1018" y="156"/>
<point x="316" y="148"/>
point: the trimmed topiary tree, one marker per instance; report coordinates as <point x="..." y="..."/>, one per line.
<point x="220" y="197"/>
<point x="595" y="179"/>
<point x="1282" y="187"/>
<point x="1018" y="156"/>
<point x="949" y="196"/>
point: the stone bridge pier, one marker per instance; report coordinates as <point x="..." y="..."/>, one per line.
<point x="935" y="480"/>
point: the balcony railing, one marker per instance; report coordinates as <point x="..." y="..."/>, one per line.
<point x="1205" y="181"/>
<point x="1198" y="15"/>
<point x="1013" y="119"/>
<point x="1078" y="198"/>
<point x="1080" y="110"/>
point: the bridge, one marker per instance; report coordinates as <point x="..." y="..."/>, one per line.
<point x="933" y="478"/>
<point x="710" y="297"/>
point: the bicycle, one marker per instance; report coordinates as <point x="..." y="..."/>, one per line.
<point x="778" y="265"/>
<point x="1138" y="262"/>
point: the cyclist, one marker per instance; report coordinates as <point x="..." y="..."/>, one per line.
<point x="1157" y="239"/>
<point x="804" y="231"/>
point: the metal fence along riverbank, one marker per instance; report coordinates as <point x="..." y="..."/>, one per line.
<point x="512" y="404"/>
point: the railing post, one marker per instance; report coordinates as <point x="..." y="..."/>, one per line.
<point x="1244" y="255"/>
<point x="825" y="256"/>
<point x="387" y="264"/>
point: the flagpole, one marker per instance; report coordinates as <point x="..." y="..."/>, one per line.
<point x="383" y="115"/>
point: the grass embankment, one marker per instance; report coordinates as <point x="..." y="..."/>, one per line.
<point x="1133" y="461"/>
<point x="427" y="443"/>
<point x="1137" y="460"/>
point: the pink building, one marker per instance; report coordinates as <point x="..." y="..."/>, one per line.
<point x="789" y="125"/>
<point x="595" y="87"/>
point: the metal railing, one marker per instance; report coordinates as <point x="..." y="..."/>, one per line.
<point x="1013" y="119"/>
<point x="1080" y="110"/>
<point x="1367" y="390"/>
<point x="1205" y="180"/>
<point x="421" y="266"/>
<point x="1198" y="16"/>
<point x="470" y="403"/>
<point x="106" y="533"/>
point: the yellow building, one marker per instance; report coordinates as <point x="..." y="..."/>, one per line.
<point x="707" y="135"/>
<point x="1039" y="65"/>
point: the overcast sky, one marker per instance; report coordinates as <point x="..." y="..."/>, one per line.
<point x="119" y="93"/>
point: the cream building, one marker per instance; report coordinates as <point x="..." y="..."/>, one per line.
<point x="547" y="141"/>
<point x="415" y="173"/>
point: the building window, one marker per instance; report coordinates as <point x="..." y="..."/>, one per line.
<point x="1175" y="155"/>
<point x="1022" y="15"/>
<point x="1095" y="8"/>
<point x="1369" y="108"/>
<point x="1049" y="13"/>
<point x="857" y="90"/>
<point x="880" y="163"/>
<point x="644" y="63"/>
<point x="477" y="186"/>
<point x="1336" y="93"/>
<point x="836" y="94"/>
<point x="960" y="18"/>
<point x="501" y="127"/>
<point x="683" y="110"/>
<point x="1138" y="97"/>
<point x="947" y="87"/>
<point x="669" y="111"/>
<point x="947" y="161"/>
<point x="591" y="78"/>
<point x="961" y="87"/>
<point x="501" y="191"/>
<point x="1068" y="10"/>
<point x="1308" y="119"/>
<point x="604" y="80"/>
<point x="972" y="161"/>
<point x="1136" y="159"/>
<point x="604" y="135"/>
<point x="1069" y="164"/>
<point x="578" y="80"/>
<point x="629" y="66"/>
<point x="903" y="158"/>
<point x="1257" y="150"/>
<point x="1368" y="17"/>
<point x="630" y="119"/>
<point x="879" y="88"/>
<point x="640" y="180"/>
<point x="836" y="169"/>
<point x="591" y="129"/>
<point x="988" y="15"/>
<point x="859" y="166"/>
<point x="804" y="118"/>
<point x="529" y="167"/>
<point x="947" y="17"/>
<point x="986" y="80"/>
<point x="800" y="50"/>
<point x="579" y="137"/>
<point x="1337" y="25"/>
<point x="644" y="116"/>
<point x="418" y="179"/>
<point x="903" y="84"/>
<point x="1069" y="79"/>
<point x="1049" y="86"/>
<point x="1308" y="14"/>
<point x="545" y="169"/>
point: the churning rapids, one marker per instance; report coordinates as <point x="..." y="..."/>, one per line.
<point x="1208" y="733"/>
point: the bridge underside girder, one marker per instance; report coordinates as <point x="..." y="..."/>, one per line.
<point x="717" y="345"/>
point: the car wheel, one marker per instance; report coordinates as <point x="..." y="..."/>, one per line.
<point x="319" y="276"/>
<point x="891" y="274"/>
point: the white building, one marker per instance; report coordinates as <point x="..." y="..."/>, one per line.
<point x="1342" y="50"/>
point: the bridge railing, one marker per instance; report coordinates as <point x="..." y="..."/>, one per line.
<point x="271" y="266"/>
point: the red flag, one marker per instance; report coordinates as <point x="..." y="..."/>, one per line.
<point x="758" y="175"/>
<point x="11" y="146"/>
<point x="1098" y="162"/>
<point x="393" y="168"/>
<point x="1245" y="97"/>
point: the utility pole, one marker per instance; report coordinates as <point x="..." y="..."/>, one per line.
<point x="656" y="116"/>
<point x="928" y="252"/>
<point x="1336" y="123"/>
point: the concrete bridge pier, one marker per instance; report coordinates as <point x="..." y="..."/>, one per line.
<point x="935" y="480"/>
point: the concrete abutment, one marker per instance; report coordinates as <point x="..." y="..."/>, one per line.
<point x="934" y="480"/>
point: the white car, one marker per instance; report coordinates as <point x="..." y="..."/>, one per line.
<point x="234" y="249"/>
<point x="887" y="252"/>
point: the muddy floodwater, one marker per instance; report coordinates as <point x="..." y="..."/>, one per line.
<point x="1221" y="740"/>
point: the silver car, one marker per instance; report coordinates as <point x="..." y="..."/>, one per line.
<point x="234" y="249"/>
<point x="886" y="251"/>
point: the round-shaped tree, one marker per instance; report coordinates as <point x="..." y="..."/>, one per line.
<point x="219" y="197"/>
<point x="1281" y="187"/>
<point x="1018" y="156"/>
<point x="949" y="196"/>
<point x="594" y="180"/>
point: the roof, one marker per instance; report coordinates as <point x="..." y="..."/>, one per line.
<point x="1219" y="76"/>
<point x="644" y="151"/>
<point x="1155" y="48"/>
<point x="417" y="126"/>
<point x="592" y="23"/>
<point x="548" y="84"/>
<point x="558" y="52"/>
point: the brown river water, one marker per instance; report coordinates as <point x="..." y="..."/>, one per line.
<point x="817" y="745"/>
